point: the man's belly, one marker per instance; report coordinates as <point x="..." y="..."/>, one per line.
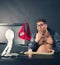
<point x="44" y="48"/>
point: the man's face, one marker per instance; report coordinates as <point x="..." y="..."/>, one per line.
<point x="41" y="26"/>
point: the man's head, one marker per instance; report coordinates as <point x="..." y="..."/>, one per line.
<point x="41" y="25"/>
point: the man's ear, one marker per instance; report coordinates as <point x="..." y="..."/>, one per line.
<point x="46" y="26"/>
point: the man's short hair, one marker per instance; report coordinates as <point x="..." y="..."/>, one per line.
<point x="41" y="20"/>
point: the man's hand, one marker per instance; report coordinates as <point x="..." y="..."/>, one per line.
<point x="30" y="55"/>
<point x="38" y="36"/>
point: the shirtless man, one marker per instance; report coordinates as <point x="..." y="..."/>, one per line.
<point x="43" y="41"/>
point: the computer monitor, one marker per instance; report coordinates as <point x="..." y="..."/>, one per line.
<point x="15" y="27"/>
<point x="17" y="42"/>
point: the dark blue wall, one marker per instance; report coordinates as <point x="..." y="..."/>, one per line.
<point x="20" y="10"/>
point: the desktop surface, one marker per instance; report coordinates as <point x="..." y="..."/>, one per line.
<point x="35" y="60"/>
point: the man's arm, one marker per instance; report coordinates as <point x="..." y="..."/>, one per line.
<point x="57" y="42"/>
<point x="33" y="44"/>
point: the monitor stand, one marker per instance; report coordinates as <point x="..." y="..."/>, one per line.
<point x="9" y="36"/>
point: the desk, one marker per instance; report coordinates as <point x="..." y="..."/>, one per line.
<point x="35" y="60"/>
